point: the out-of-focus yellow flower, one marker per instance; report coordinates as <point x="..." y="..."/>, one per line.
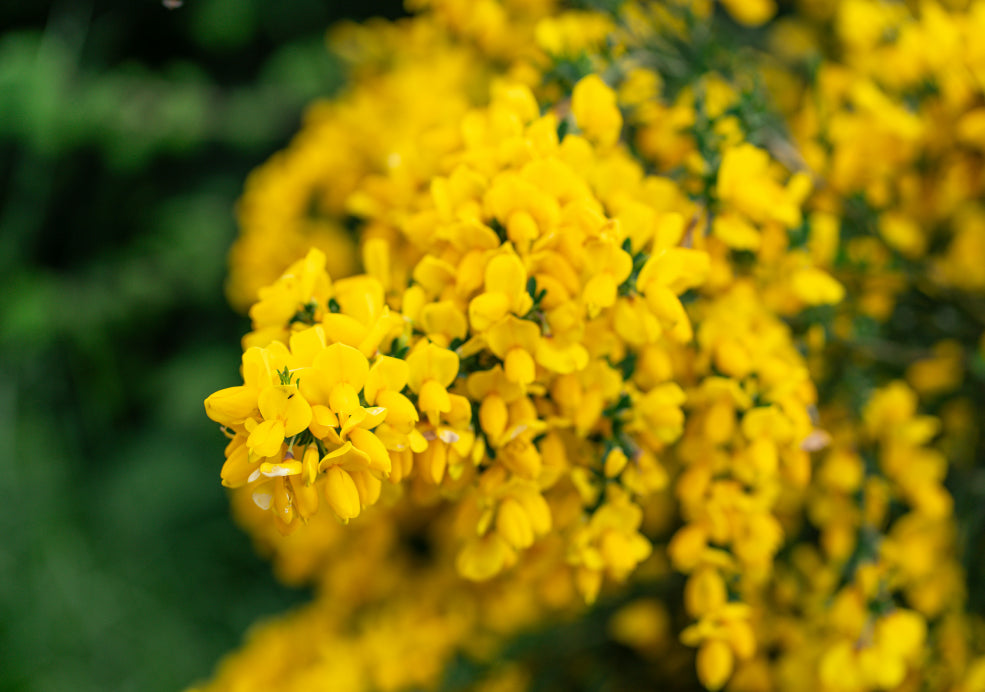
<point x="746" y="183"/>
<point x="715" y="663"/>
<point x="750" y="12"/>
<point x="816" y="287"/>
<point x="593" y="104"/>
<point x="573" y="32"/>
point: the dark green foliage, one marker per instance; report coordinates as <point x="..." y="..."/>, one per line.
<point x="126" y="132"/>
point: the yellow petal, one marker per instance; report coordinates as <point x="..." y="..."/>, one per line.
<point x="343" y="363"/>
<point x="506" y="274"/>
<point x="519" y="366"/>
<point x="512" y="332"/>
<point x="676" y="268"/>
<point x="522" y="458"/>
<point x="435" y="461"/>
<point x="615" y="462"/>
<point x="600" y="292"/>
<point x="493" y="416"/>
<point x="736" y="232"/>
<point x="305" y="496"/>
<point x="714" y="663"/>
<point x="335" y="456"/>
<point x="433" y="398"/>
<point x="486" y="309"/>
<point x="352" y="420"/>
<point x="344" y="329"/>
<point x="257" y="368"/>
<point x="816" y="287"/>
<point x="306" y="344"/>
<point x="266" y="438"/>
<point x="385" y="325"/>
<point x="310" y="270"/>
<point x="668" y="308"/>
<point x="360" y="296"/>
<point x="742" y="638"/>
<point x="297" y="416"/>
<point x="588" y="582"/>
<point x="418" y="443"/>
<point x="431" y="362"/>
<point x="342" y="494"/>
<point x="309" y="464"/>
<point x="375" y="415"/>
<point x="376" y="259"/>
<point x="561" y="359"/>
<point x="483" y="558"/>
<point x="704" y="592"/>
<point x="368" y="486"/>
<point x="231" y="406"/>
<point x="593" y="104"/>
<point x="387" y="373"/>
<point x="400" y="411"/>
<point x="750" y="12"/>
<point x="344" y="399"/>
<point x="367" y="442"/>
<point x="237" y="469"/>
<point x="687" y="546"/>
<point x="323" y="421"/>
<point x="513" y="524"/>
<point x="445" y="318"/>
<point x="273" y="402"/>
<point x="537" y="509"/>
<point x="434" y="274"/>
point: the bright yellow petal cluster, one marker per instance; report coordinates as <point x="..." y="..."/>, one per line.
<point x="619" y="327"/>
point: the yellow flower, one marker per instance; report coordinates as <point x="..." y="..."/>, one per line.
<point x="747" y="184"/>
<point x="643" y="624"/>
<point x="704" y="591"/>
<point x="609" y="544"/>
<point x="234" y="405"/>
<point x="284" y="411"/>
<point x="515" y="341"/>
<point x="384" y="382"/>
<point x="238" y="468"/>
<point x="341" y="493"/>
<point x="572" y="32"/>
<point x="336" y="378"/>
<point x="608" y="266"/>
<point x="816" y="287"/>
<point x="431" y="370"/>
<point x="941" y="372"/>
<point x="483" y="558"/>
<point x="750" y="12"/>
<point x="593" y="104"/>
<point x="522" y="514"/>
<point x="505" y="292"/>
<point x="715" y="663"/>
<point x="659" y="410"/>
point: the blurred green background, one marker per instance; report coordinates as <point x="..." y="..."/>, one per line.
<point x="126" y="132"/>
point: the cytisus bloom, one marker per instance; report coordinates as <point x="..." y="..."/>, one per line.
<point x="570" y="322"/>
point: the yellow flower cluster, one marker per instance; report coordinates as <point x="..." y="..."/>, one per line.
<point x="885" y="538"/>
<point x="534" y="276"/>
<point x="367" y="152"/>
<point x="345" y="640"/>
<point x="591" y="313"/>
<point x="893" y="123"/>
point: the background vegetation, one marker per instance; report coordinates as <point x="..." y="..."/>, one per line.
<point x="126" y="131"/>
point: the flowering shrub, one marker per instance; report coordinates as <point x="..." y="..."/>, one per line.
<point x="608" y="315"/>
